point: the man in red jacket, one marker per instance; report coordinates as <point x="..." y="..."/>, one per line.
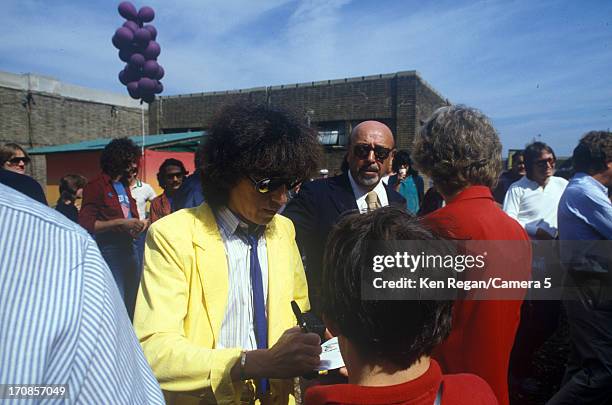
<point x="109" y="213"/>
<point x="460" y="150"/>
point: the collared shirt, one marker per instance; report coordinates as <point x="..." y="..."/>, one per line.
<point x="142" y="192"/>
<point x="237" y="329"/>
<point x="62" y="320"/>
<point x="361" y="192"/>
<point x="585" y="212"/>
<point x="100" y="203"/>
<point x="534" y="206"/>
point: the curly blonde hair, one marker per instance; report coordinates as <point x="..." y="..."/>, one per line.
<point x="458" y="147"/>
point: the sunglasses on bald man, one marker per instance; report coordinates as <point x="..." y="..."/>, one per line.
<point x="362" y="151"/>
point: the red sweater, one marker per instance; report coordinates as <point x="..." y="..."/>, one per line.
<point x="459" y="389"/>
<point x="483" y="332"/>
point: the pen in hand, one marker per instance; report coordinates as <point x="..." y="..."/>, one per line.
<point x="298" y="315"/>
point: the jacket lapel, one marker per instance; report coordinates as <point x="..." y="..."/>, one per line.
<point x="341" y="193"/>
<point x="211" y="266"/>
<point x="277" y="278"/>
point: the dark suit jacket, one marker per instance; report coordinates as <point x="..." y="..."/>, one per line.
<point x="24" y="184"/>
<point x="314" y="211"/>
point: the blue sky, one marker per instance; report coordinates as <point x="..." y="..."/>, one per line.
<point x="539" y="69"/>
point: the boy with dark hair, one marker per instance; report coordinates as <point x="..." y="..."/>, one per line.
<point x="386" y="345"/>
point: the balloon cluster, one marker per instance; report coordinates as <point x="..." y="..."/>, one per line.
<point x="138" y="49"/>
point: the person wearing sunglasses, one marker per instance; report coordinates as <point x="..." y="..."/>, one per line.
<point x="533" y="200"/>
<point x="320" y="203"/>
<point x="14" y="158"/>
<point x="214" y="313"/>
<point x="109" y="212"/>
<point x="170" y="177"/>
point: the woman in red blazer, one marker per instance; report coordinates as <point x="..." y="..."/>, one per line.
<point x="460" y="150"/>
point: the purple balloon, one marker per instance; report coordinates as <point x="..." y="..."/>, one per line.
<point x="159" y="87"/>
<point x="123" y="78"/>
<point x="133" y="89"/>
<point x="137" y="60"/>
<point x="132" y="74"/>
<point x="146" y="14"/>
<point x="142" y="36"/>
<point x="146" y="85"/>
<point x="152" y="30"/>
<point x="152" y="51"/>
<point x="125" y="54"/>
<point x="128" y="11"/>
<point x="123" y="37"/>
<point x="131" y="25"/>
<point x="160" y="73"/>
<point x="116" y="42"/>
<point x="150" y="69"/>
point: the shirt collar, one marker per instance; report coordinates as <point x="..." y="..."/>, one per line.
<point x="472" y="192"/>
<point x="588" y="178"/>
<point x="229" y="223"/>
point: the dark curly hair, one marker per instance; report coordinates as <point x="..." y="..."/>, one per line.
<point x="593" y="152"/>
<point x="162" y="170"/>
<point x="373" y="326"/>
<point x="117" y="155"/>
<point x="256" y="140"/>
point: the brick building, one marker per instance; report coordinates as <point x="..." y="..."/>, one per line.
<point x="41" y="111"/>
<point x="401" y="100"/>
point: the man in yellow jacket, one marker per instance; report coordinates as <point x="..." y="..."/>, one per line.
<point x="213" y="313"/>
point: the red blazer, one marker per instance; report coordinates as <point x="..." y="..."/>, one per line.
<point x="100" y="202"/>
<point x="483" y="332"/>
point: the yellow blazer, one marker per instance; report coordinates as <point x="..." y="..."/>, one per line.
<point x="182" y="299"/>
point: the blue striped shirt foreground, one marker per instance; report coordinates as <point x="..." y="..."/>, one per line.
<point x="61" y="318"/>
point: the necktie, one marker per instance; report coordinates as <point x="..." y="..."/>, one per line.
<point x="372" y="200"/>
<point x="259" y="308"/>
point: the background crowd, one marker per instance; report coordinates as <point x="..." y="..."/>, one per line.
<point x="207" y="269"/>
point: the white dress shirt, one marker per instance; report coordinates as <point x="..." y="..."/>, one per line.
<point x="237" y="329"/>
<point x="360" y="193"/>
<point x="534" y="206"/>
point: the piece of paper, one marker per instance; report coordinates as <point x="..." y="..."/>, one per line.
<point x="331" y="358"/>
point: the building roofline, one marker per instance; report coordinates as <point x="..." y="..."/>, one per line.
<point x="404" y="73"/>
<point x="49" y="85"/>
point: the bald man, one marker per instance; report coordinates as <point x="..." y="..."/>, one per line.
<point x="319" y="204"/>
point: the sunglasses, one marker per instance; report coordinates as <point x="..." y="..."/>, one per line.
<point x="267" y="185"/>
<point x="17" y="160"/>
<point x="363" y="151"/>
<point x="545" y="162"/>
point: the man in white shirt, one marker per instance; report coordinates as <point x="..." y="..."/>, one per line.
<point x="142" y="192"/>
<point x="320" y="203"/>
<point x="533" y="200"/>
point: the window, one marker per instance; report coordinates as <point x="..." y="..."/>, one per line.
<point x="332" y="133"/>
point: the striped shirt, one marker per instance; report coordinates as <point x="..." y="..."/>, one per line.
<point x="61" y="318"/>
<point x="237" y="329"/>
